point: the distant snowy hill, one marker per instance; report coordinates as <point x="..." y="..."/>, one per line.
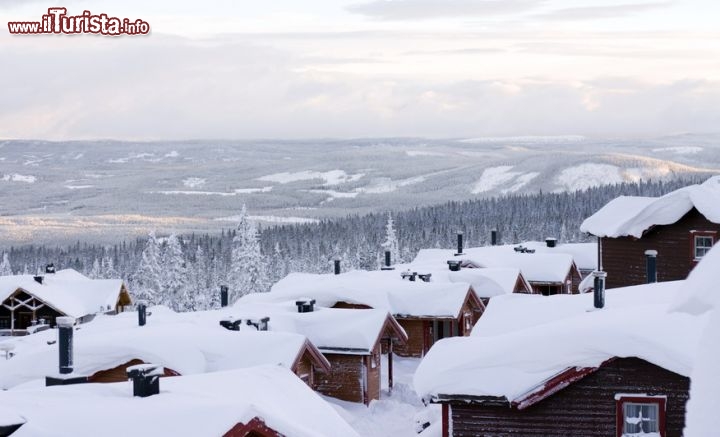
<point x="97" y="189"/>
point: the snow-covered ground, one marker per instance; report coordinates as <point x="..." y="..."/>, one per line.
<point x="398" y="413"/>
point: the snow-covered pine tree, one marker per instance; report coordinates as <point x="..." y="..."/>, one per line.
<point x="107" y="268"/>
<point x="5" y="268"/>
<point x="95" y="271"/>
<point x="173" y="276"/>
<point x="248" y="266"/>
<point x="391" y="240"/>
<point x="147" y="280"/>
<point x="197" y="286"/>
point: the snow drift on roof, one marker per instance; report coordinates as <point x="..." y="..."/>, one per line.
<point x="384" y="290"/>
<point x="197" y="405"/>
<point x="701" y="296"/>
<point x="632" y="216"/>
<point x="187" y="347"/>
<point x="535" y="267"/>
<point x="522" y="340"/>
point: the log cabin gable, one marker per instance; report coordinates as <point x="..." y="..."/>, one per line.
<point x="254" y="428"/>
<point x="314" y="356"/>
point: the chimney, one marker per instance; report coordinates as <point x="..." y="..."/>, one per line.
<point x="223" y="296"/>
<point x="337" y="266"/>
<point x="38" y="278"/>
<point x="388" y="262"/>
<point x="305" y="305"/>
<point x="651" y="265"/>
<point x="142" y="314"/>
<point x="551" y="242"/>
<point x="493" y="237"/>
<point x="454" y="265"/>
<point x="65" y="343"/>
<point x="459" y="244"/>
<point x="410" y="276"/>
<point x="231" y="324"/>
<point x="146" y="379"/>
<point x="50" y="269"/>
<point x="260" y="325"/>
<point x="599" y="289"/>
<point x="425" y="277"/>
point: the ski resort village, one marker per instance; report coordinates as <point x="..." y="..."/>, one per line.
<point x="614" y="333"/>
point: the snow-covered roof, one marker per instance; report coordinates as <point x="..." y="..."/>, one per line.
<point x="207" y="404"/>
<point x="384" y="290"/>
<point x="330" y="329"/>
<point x="523" y="340"/>
<point x="187" y="345"/>
<point x="535" y="267"/>
<point x="701" y="296"/>
<point x="632" y="216"/>
<point x="67" y="291"/>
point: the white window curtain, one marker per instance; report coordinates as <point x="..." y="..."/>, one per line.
<point x="641" y="419"/>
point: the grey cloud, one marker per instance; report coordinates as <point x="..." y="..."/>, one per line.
<point x="429" y="9"/>
<point x="597" y="12"/>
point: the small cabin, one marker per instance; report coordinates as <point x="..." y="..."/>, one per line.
<point x="622" y="397"/>
<point x="678" y="229"/>
<point x="560" y="366"/>
<point x="28" y="302"/>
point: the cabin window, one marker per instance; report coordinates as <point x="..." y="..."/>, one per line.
<point x="641" y="416"/>
<point x="703" y="244"/>
<point x="4" y="322"/>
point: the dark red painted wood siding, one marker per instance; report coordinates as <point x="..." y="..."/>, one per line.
<point x="586" y="408"/>
<point x="624" y="258"/>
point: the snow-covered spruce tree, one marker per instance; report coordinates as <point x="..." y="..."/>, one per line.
<point x="5" y="268"/>
<point x="248" y="266"/>
<point x="107" y="268"/>
<point x="197" y="286"/>
<point x="147" y="280"/>
<point x="173" y="276"/>
<point x="95" y="272"/>
<point x="391" y="240"/>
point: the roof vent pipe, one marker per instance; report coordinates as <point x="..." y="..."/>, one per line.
<point x="494" y="237"/>
<point x="50" y="268"/>
<point x="459" y="244"/>
<point x="651" y="265"/>
<point x="551" y="242"/>
<point x="454" y="265"/>
<point x="388" y="261"/>
<point x="39" y="278"/>
<point x="337" y="266"/>
<point x="142" y="314"/>
<point x="259" y="324"/>
<point x="599" y="289"/>
<point x="65" y="343"/>
<point x="223" y="296"/>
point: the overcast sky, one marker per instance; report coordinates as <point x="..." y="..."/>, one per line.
<point x="366" y="68"/>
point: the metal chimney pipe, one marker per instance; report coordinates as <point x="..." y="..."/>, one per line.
<point x="651" y="265"/>
<point x="459" y="244"/>
<point x="65" y="343"/>
<point x="142" y="314"/>
<point x="387" y="258"/>
<point x="493" y="237"/>
<point x="599" y="289"/>
<point x="337" y="266"/>
<point x="223" y="296"/>
<point x="551" y="242"/>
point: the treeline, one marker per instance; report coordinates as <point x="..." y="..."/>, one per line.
<point x="356" y="240"/>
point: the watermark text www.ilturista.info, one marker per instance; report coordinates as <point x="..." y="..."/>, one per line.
<point x="57" y="22"/>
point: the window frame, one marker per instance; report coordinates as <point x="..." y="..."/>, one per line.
<point x="622" y="399"/>
<point x="702" y="234"/>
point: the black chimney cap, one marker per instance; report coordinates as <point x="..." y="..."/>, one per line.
<point x="454" y="265"/>
<point x="50" y="268"/>
<point x="39" y="278"/>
